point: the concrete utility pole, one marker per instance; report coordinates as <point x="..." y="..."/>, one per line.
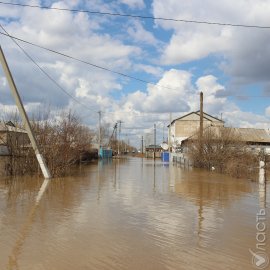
<point x="26" y="122"/>
<point x="163" y="138"/>
<point x="155" y="138"/>
<point x="115" y="135"/>
<point x="142" y="144"/>
<point x="99" y="130"/>
<point x="201" y="115"/>
<point x="261" y="172"/>
<point x="126" y="144"/>
<point x="170" y="133"/>
<point x="119" y="132"/>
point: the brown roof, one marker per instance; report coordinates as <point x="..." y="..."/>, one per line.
<point x="205" y="116"/>
<point x="253" y="135"/>
<point x="249" y="135"/>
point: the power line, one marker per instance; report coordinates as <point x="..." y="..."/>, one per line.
<point x="87" y="63"/>
<point x="137" y="16"/>
<point x="103" y="68"/>
<point x="55" y="82"/>
<point x="44" y="72"/>
<point x="99" y="67"/>
<point x="72" y="97"/>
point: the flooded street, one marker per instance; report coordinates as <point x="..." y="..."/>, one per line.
<point x="131" y="214"/>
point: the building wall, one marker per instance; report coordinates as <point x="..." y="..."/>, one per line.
<point x="3" y="137"/>
<point x="10" y="141"/>
<point x="188" y="126"/>
<point x="151" y="154"/>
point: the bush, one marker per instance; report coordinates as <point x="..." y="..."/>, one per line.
<point x="62" y="140"/>
<point x="222" y="149"/>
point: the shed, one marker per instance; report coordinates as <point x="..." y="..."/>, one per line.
<point x="150" y="149"/>
<point x="11" y="136"/>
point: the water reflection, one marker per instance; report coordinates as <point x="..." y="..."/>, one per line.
<point x="23" y="233"/>
<point x="129" y="214"/>
<point x="262" y="195"/>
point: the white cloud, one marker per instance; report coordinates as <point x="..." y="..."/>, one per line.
<point x="133" y="3"/>
<point x="139" y="34"/>
<point x="241" y="47"/>
<point x="153" y="70"/>
<point x="209" y="85"/>
<point x="238" y="118"/>
<point x="267" y="111"/>
<point x="185" y="47"/>
<point x="74" y="34"/>
<point x="95" y="39"/>
<point x="181" y="98"/>
<point x="166" y="95"/>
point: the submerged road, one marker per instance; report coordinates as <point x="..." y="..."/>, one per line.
<point x="133" y="214"/>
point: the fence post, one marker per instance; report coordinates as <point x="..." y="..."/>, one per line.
<point x="261" y="172"/>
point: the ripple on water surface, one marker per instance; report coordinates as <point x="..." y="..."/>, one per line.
<point x="130" y="214"/>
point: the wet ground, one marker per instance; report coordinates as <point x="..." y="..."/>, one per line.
<point x="131" y="214"/>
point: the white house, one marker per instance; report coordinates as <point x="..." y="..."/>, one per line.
<point x="185" y="126"/>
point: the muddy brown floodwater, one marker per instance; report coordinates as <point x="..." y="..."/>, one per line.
<point x="131" y="214"/>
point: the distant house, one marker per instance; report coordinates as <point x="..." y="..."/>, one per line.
<point x="187" y="125"/>
<point x="254" y="139"/>
<point x="11" y="137"/>
<point x="150" y="149"/>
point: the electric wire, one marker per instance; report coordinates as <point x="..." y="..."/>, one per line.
<point x="62" y="89"/>
<point x="134" y="16"/>
<point x="87" y="63"/>
<point x="59" y="86"/>
<point x="46" y="73"/>
<point x="104" y="68"/>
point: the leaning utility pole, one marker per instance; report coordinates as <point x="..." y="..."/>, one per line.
<point x="26" y="122"/>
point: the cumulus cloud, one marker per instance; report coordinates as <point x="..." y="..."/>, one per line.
<point x="175" y="92"/>
<point x="104" y="41"/>
<point x="183" y="97"/>
<point x="244" y="49"/>
<point x="74" y="34"/>
<point x="150" y="69"/>
<point x="133" y="3"/>
<point x="238" y="118"/>
<point x="267" y="111"/>
<point x="186" y="47"/>
<point x="166" y="95"/>
<point x="139" y="34"/>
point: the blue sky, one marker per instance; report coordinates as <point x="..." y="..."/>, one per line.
<point x="180" y="59"/>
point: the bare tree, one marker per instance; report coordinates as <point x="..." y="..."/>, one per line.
<point x="223" y="150"/>
<point x="62" y="140"/>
